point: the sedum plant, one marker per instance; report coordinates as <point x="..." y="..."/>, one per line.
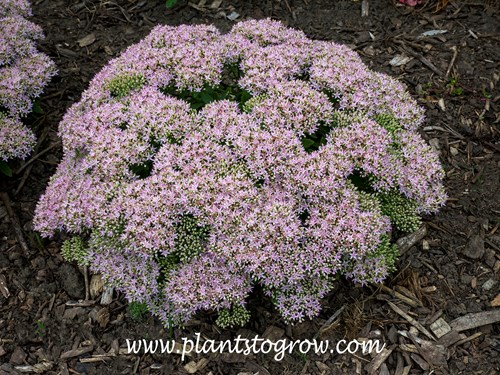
<point x="199" y="165"/>
<point x="24" y="72"/>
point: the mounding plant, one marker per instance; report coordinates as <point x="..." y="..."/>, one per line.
<point x="24" y="72"/>
<point x="199" y="165"/>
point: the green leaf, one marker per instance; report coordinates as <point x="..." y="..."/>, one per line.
<point x="307" y="143"/>
<point x="245" y="96"/>
<point x="37" y="109"/>
<point x="142" y="170"/>
<point x="206" y="98"/>
<point x="224" y="94"/>
<point x="5" y="169"/>
<point x="360" y="181"/>
<point x="197" y="105"/>
<point x="170" y="3"/>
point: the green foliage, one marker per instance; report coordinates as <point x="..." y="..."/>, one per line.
<point x="362" y="182"/>
<point x="38" y="240"/>
<point x="40" y="329"/>
<point x="237" y="316"/>
<point x="314" y="141"/>
<point x="170" y="3"/>
<point x="333" y="97"/>
<point x="37" y="109"/>
<point x="74" y="249"/>
<point x="301" y="355"/>
<point x="228" y="89"/>
<point x="123" y="84"/>
<point x="137" y="310"/>
<point x="5" y="169"/>
<point x="209" y="94"/>
<point x="388" y="122"/>
<point x="167" y="264"/>
<point x="486" y="94"/>
<point x="425" y="89"/>
<point x="401" y="210"/>
<point x="455" y="90"/>
<point x="142" y="170"/>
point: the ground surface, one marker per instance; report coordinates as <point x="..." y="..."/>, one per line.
<point x="451" y="270"/>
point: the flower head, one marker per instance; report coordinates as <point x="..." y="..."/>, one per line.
<point x="24" y="72"/>
<point x="204" y="164"/>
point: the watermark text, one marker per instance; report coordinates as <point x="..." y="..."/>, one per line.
<point x="255" y="345"/>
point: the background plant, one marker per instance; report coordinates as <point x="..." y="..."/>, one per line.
<point x="170" y="3"/>
<point x="24" y="72"/>
<point x="204" y="164"/>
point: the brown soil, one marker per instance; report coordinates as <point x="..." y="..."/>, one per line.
<point x="450" y="272"/>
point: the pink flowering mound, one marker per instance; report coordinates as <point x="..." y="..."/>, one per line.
<point x="24" y="72"/>
<point x="198" y="166"/>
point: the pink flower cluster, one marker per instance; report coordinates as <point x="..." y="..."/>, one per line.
<point x="24" y="72"/>
<point x="139" y="162"/>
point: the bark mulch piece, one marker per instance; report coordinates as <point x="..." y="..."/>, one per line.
<point x="438" y="315"/>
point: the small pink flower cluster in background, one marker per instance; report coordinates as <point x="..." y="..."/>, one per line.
<point x="198" y="165"/>
<point x="411" y="3"/>
<point x="24" y="72"/>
